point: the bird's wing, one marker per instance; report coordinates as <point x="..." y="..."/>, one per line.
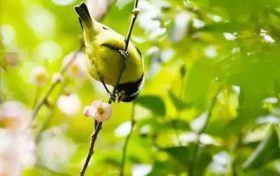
<point x="119" y="45"/>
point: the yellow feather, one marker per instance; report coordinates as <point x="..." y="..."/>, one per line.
<point x="102" y="45"/>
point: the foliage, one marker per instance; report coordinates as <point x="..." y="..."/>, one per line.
<point x="195" y="52"/>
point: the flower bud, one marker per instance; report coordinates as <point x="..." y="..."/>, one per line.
<point x="69" y="104"/>
<point x="57" y="77"/>
<point x="77" y="68"/>
<point x="39" y="76"/>
<point x="136" y="11"/>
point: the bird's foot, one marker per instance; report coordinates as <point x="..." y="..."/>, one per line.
<point x="124" y="53"/>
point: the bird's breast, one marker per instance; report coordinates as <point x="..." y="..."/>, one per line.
<point x="107" y="64"/>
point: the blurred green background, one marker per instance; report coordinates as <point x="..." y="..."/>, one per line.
<point x="209" y="106"/>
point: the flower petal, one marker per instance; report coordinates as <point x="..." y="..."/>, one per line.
<point x="89" y="111"/>
<point x="96" y="104"/>
<point x="107" y="110"/>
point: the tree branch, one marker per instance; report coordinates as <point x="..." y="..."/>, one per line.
<point x="127" y="139"/>
<point x="98" y="125"/>
<point x="124" y="54"/>
<point x="91" y="147"/>
<point x="54" y="84"/>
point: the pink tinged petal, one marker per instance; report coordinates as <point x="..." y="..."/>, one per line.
<point x="96" y="104"/>
<point x="99" y="111"/>
<point x="99" y="118"/>
<point x="107" y="111"/>
<point x="89" y="111"/>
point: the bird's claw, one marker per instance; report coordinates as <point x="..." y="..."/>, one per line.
<point x="112" y="97"/>
<point x="124" y="53"/>
<point x="117" y="97"/>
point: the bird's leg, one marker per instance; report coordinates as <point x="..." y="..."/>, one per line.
<point x="104" y="85"/>
<point x="121" y="95"/>
<point x="117" y="97"/>
<point x="113" y="97"/>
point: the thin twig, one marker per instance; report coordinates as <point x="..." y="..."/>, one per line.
<point x="131" y="25"/>
<point x="192" y="167"/>
<point x="98" y="126"/>
<point x="127" y="139"/>
<point x="37" y="136"/>
<point x="125" y="56"/>
<point x="37" y="92"/>
<point x="54" y="84"/>
<point x="91" y="147"/>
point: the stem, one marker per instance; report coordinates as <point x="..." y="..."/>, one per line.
<point x="47" y="121"/>
<point x="2" y="56"/>
<point x="98" y="126"/>
<point x="91" y="147"/>
<point x="192" y="168"/>
<point x="178" y="114"/>
<point x="1" y="83"/>
<point x="54" y="84"/>
<point x="131" y="26"/>
<point x="127" y="139"/>
<point x="37" y="91"/>
<point x="123" y="64"/>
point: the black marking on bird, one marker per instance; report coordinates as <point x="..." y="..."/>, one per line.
<point x="130" y="90"/>
<point x="138" y="51"/>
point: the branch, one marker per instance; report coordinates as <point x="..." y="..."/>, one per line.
<point x="91" y="147"/>
<point x="37" y="136"/>
<point x="124" y="54"/>
<point x="54" y="84"/>
<point x="197" y="147"/>
<point x="127" y="139"/>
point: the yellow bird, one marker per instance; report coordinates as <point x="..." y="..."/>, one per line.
<point x="104" y="48"/>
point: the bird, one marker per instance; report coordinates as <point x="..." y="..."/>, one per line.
<point x="105" y="50"/>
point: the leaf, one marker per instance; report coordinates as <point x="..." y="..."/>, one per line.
<point x="179" y="153"/>
<point x="178" y="124"/>
<point x="277" y="129"/>
<point x="159" y="168"/>
<point x="177" y="102"/>
<point x="220" y="27"/>
<point x="264" y="151"/>
<point x="153" y="103"/>
<point x="204" y="159"/>
<point x="199" y="81"/>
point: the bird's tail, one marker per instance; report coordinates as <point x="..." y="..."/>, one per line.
<point x="84" y="16"/>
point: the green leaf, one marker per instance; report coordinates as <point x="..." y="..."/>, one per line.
<point x="199" y="80"/>
<point x="204" y="159"/>
<point x="159" y="168"/>
<point x="153" y="103"/>
<point x="264" y="152"/>
<point x="179" y="153"/>
<point x="277" y="129"/>
<point x="177" y="102"/>
<point x="178" y="124"/>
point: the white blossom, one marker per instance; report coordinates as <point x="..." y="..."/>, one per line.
<point x="39" y="76"/>
<point x="99" y="111"/>
<point x="69" y="104"/>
